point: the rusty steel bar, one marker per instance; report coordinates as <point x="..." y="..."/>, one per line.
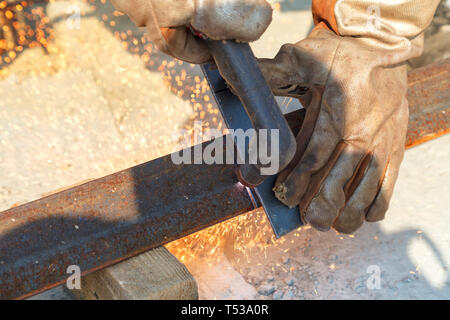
<point x="429" y="96"/>
<point x="105" y="221"/>
<point x="110" y="219"/>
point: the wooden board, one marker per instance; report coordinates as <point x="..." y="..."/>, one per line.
<point x="155" y="274"/>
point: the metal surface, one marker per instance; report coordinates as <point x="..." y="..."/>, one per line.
<point x="108" y="220"/>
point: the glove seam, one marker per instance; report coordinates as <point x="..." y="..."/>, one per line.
<point x="332" y="64"/>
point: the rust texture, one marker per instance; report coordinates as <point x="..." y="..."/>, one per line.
<point x="105" y="221"/>
<point x="429" y="96"/>
<point x="102" y="222"/>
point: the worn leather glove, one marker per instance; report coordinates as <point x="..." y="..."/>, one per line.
<point x="351" y="144"/>
<point x="167" y="22"/>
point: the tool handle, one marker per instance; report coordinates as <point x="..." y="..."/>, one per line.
<point x="239" y="67"/>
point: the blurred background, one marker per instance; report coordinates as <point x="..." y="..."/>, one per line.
<point x="84" y="94"/>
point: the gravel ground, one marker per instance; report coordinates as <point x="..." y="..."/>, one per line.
<point x="89" y="106"/>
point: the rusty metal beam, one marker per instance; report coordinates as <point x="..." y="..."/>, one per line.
<point x="102" y="222"/>
<point x="429" y="107"/>
<point x="110" y="219"/>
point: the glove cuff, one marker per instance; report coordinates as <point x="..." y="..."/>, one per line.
<point x="394" y="27"/>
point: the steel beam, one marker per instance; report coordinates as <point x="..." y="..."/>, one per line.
<point x="429" y="107"/>
<point x="102" y="222"/>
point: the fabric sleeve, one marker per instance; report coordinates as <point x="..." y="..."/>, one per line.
<point x="378" y="19"/>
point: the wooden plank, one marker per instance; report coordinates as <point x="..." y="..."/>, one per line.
<point x="155" y="274"/>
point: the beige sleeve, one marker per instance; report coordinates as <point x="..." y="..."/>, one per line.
<point x="384" y="19"/>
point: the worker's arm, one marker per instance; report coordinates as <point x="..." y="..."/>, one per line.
<point x="167" y="22"/>
<point x="392" y="19"/>
<point x="351" y="144"/>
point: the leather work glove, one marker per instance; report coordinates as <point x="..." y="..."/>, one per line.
<point x="167" y="22"/>
<point x="350" y="77"/>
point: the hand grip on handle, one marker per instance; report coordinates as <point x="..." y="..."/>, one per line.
<point x="239" y="67"/>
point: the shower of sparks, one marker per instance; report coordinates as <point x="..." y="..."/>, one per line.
<point x="237" y="234"/>
<point x="242" y="236"/>
<point x="22" y="25"/>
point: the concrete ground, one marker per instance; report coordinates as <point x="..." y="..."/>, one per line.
<point x="96" y="102"/>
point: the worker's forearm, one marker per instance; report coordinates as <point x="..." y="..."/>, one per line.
<point x="396" y="26"/>
<point x="406" y="18"/>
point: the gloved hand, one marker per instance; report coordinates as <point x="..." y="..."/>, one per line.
<point x="351" y="143"/>
<point x="352" y="140"/>
<point x="167" y="22"/>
